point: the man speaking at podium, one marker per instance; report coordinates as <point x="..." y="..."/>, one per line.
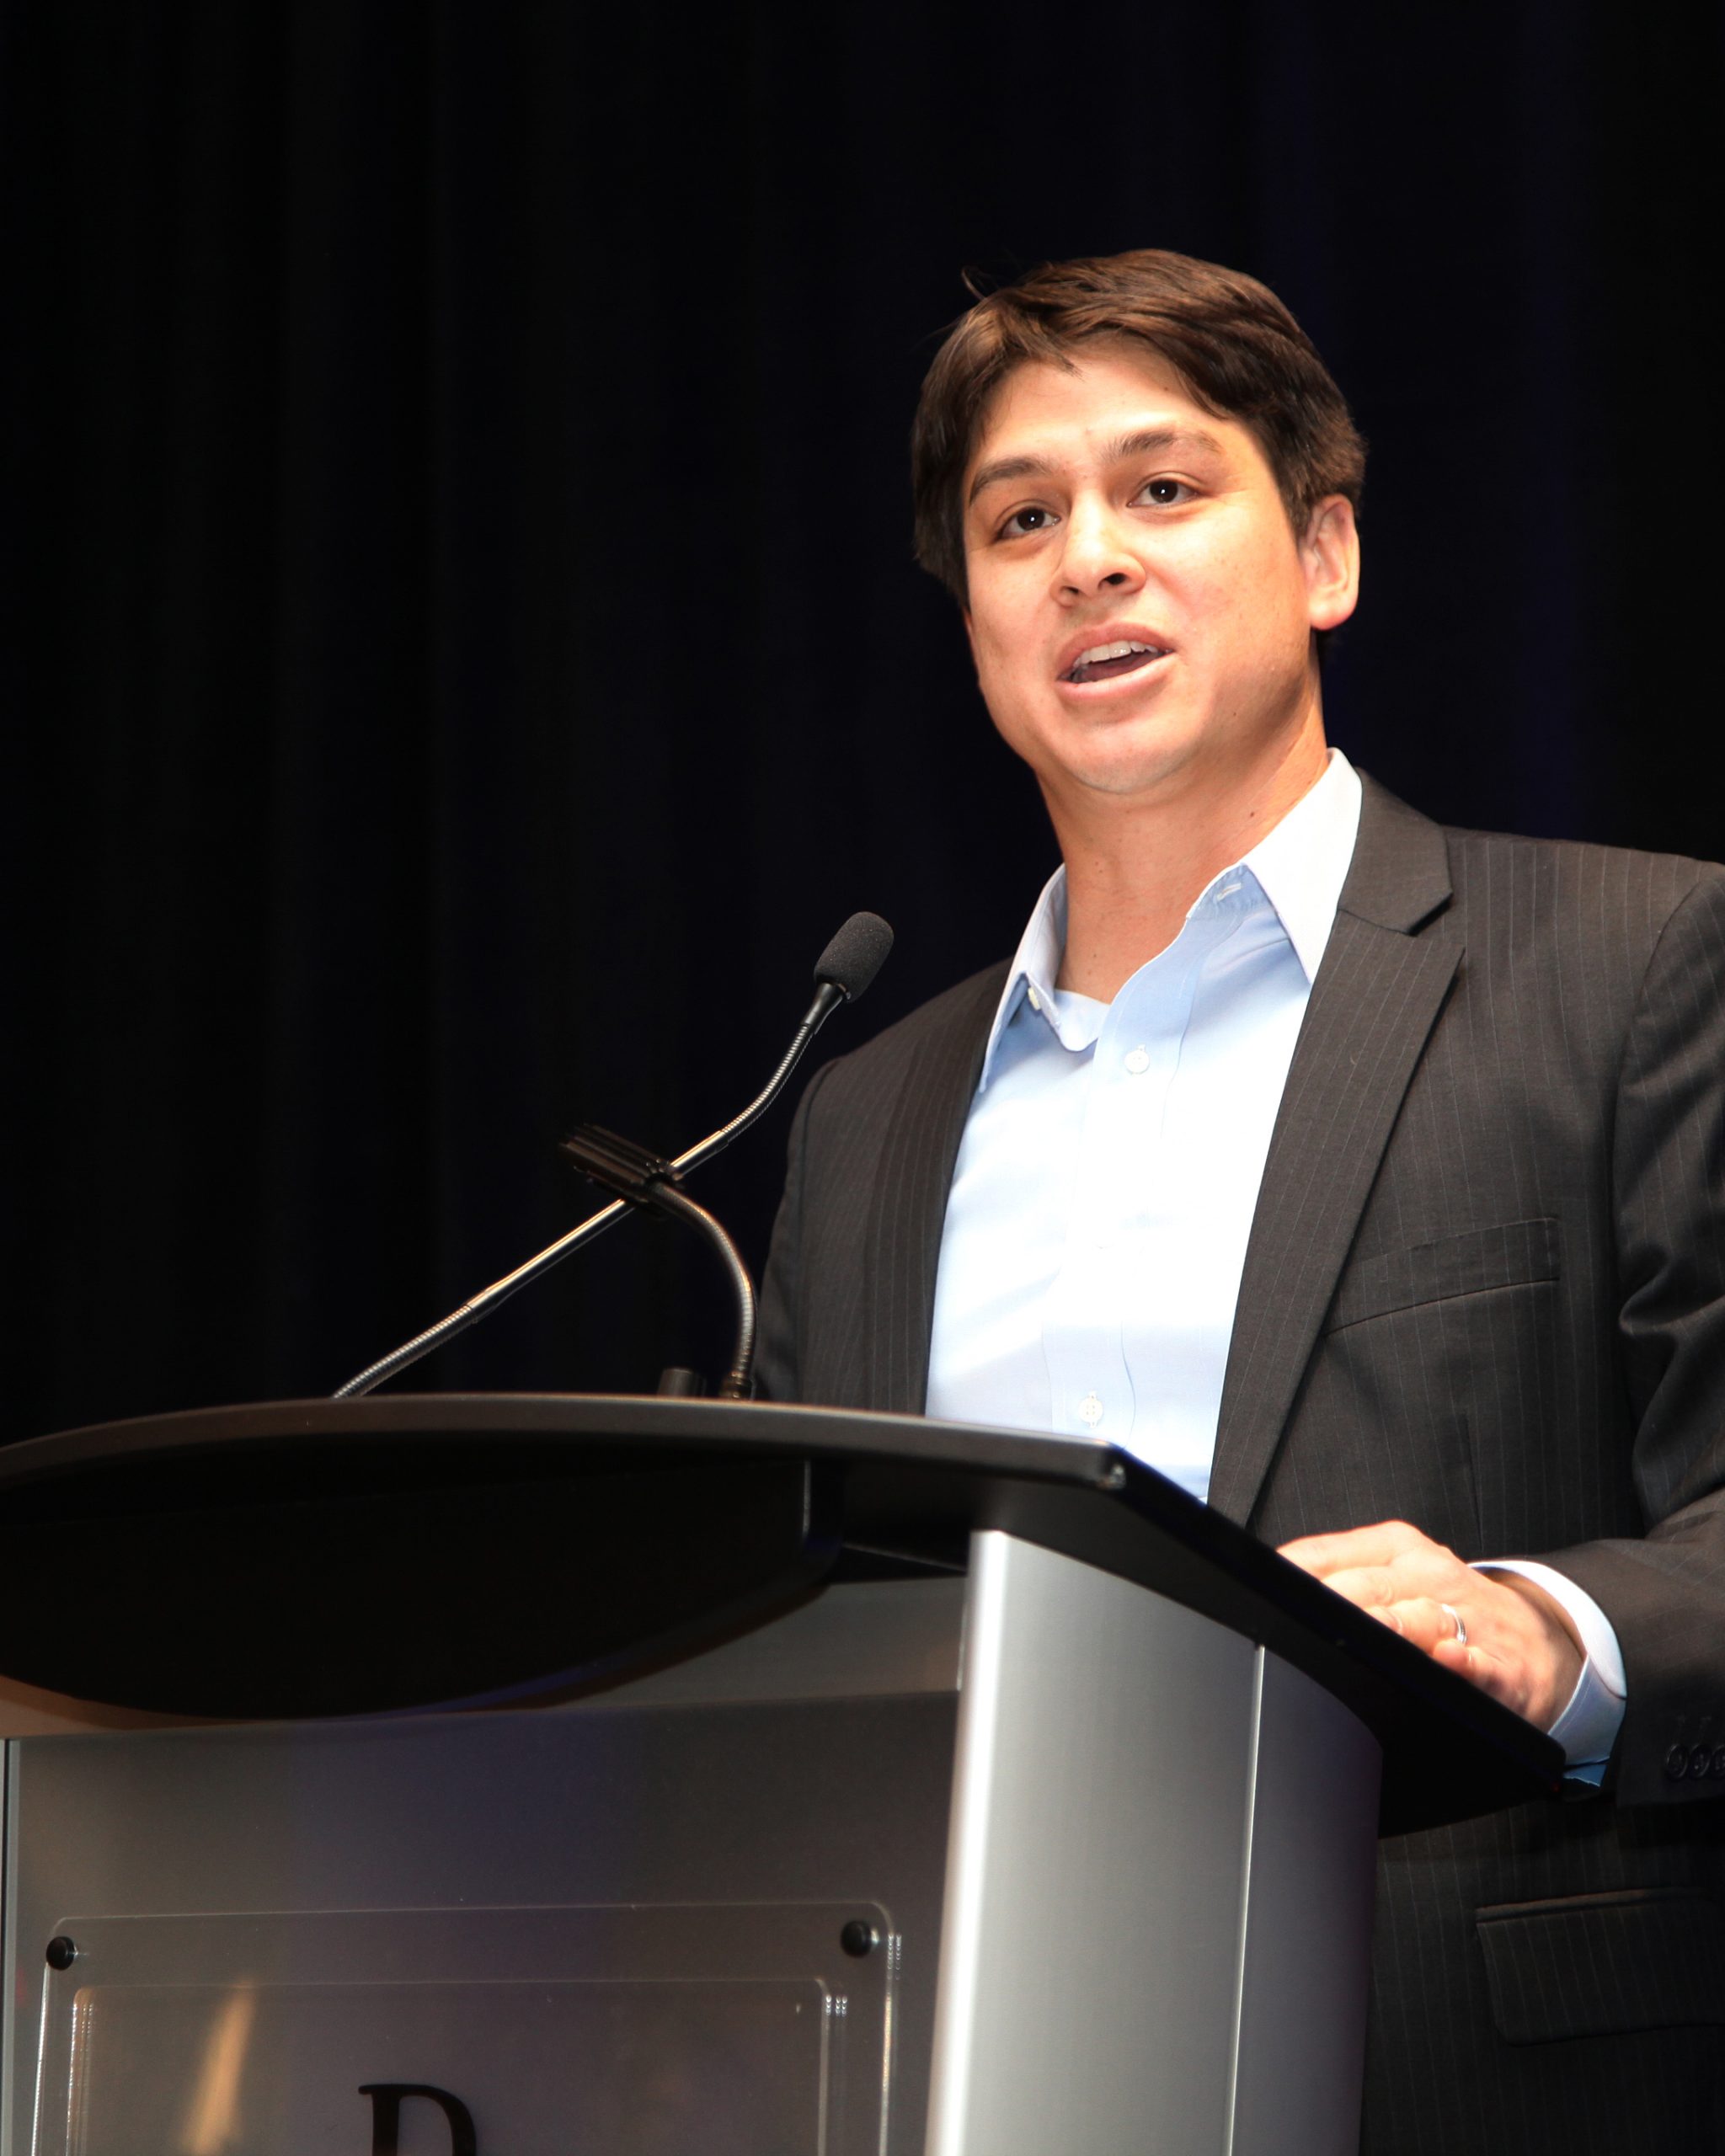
<point x="1365" y="1177"/>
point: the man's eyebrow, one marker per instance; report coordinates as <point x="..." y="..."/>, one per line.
<point x="1003" y="468"/>
<point x="1156" y="442"/>
<point x="1149" y="441"/>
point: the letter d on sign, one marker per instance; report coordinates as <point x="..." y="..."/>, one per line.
<point x="387" y="2098"/>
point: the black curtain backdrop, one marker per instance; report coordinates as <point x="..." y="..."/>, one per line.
<point x="461" y="651"/>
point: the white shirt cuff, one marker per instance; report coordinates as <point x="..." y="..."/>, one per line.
<point x="1587" y="1727"/>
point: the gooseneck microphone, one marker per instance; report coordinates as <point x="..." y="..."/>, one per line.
<point x="843" y="972"/>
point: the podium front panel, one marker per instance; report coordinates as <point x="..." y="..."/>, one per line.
<point x="985" y="1866"/>
<point x="625" y="1923"/>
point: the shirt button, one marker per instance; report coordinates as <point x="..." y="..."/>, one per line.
<point x="1035" y="1000"/>
<point x="1676" y="1762"/>
<point x="1091" y="1410"/>
<point x="1138" y="1061"/>
<point x="1700" y="1759"/>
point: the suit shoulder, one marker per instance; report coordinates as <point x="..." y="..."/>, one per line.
<point x="1597" y="893"/>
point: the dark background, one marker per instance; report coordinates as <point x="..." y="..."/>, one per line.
<point x="461" y="651"/>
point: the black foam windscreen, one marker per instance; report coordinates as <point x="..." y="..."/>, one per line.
<point x="856" y="954"/>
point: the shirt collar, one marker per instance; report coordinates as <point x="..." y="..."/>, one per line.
<point x="1302" y="862"/>
<point x="1300" y="866"/>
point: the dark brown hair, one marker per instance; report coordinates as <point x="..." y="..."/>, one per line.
<point x="1234" y="345"/>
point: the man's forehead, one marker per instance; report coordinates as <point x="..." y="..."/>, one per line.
<point x="1113" y="405"/>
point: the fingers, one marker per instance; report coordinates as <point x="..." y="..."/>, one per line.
<point x="1389" y="1564"/>
<point x="1426" y="1622"/>
<point x="1424" y="1585"/>
<point x="1356" y="1548"/>
<point x="1429" y="1625"/>
<point x="1411" y="1584"/>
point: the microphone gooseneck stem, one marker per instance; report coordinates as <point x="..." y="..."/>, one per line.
<point x="827" y="999"/>
<point x="739" y="1382"/>
<point x="477" y="1306"/>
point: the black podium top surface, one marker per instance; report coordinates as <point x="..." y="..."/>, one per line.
<point x="312" y="1557"/>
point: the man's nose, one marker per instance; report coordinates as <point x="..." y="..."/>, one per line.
<point x="1098" y="556"/>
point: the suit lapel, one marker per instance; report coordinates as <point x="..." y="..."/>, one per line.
<point x="908" y="1205"/>
<point x="1376" y="997"/>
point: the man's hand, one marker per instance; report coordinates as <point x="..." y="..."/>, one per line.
<point x="1519" y="1648"/>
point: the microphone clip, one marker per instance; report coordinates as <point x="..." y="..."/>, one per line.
<point x="627" y="1170"/>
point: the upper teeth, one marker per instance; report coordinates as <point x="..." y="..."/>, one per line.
<point x="1098" y="652"/>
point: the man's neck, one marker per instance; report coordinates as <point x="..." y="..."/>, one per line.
<point x="1136" y="867"/>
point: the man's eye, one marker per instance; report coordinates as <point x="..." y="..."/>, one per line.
<point x="1164" y="493"/>
<point x="1025" y="520"/>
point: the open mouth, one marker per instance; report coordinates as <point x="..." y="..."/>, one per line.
<point x="1104" y="661"/>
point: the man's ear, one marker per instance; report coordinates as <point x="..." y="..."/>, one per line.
<point x="1330" y="552"/>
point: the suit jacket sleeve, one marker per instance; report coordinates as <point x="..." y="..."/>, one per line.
<point x="1665" y="1593"/>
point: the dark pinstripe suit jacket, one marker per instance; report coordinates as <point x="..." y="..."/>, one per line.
<point x="1484" y="1292"/>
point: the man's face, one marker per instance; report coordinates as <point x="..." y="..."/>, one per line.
<point x="1106" y="509"/>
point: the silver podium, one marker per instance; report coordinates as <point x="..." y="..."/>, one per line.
<point x="513" y="1774"/>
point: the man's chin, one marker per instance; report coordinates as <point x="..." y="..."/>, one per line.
<point x="1159" y="755"/>
<point x="1124" y="771"/>
<point x="1128" y="779"/>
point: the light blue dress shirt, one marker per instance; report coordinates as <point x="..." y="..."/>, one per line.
<point x="1097" y="1226"/>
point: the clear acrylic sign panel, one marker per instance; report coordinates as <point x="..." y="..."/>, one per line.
<point x="639" y="2031"/>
